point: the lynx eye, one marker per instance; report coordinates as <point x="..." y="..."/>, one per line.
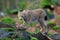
<point x="22" y="16"/>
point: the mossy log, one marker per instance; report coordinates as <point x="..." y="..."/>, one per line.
<point x="39" y="35"/>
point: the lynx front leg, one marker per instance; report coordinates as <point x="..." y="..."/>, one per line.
<point x="46" y="28"/>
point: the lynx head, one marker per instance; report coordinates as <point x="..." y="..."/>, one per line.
<point x="21" y="15"/>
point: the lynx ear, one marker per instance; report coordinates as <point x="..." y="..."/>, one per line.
<point x="23" y="11"/>
<point x="18" y="14"/>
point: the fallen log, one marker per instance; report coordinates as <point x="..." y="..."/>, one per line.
<point x="4" y="25"/>
<point x="39" y="35"/>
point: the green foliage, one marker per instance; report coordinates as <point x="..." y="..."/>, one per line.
<point x="8" y="11"/>
<point x="21" y="21"/>
<point x="13" y="11"/>
<point x="51" y="24"/>
<point x="50" y="14"/>
<point x="11" y="32"/>
<point x="56" y="27"/>
<point x="58" y="18"/>
<point x="8" y="29"/>
<point x="44" y="2"/>
<point x="7" y="39"/>
<point x="37" y="30"/>
<point x="52" y="2"/>
<point x="22" y="5"/>
<point x="49" y="33"/>
<point x="31" y="24"/>
<point x="7" y="20"/>
<point x="11" y="39"/>
<point x="58" y="1"/>
<point x="33" y="38"/>
<point x="17" y="39"/>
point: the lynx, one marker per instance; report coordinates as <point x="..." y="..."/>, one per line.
<point x="36" y="16"/>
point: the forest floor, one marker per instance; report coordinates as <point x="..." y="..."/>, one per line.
<point x="52" y="30"/>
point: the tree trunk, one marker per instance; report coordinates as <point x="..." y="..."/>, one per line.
<point x="8" y="4"/>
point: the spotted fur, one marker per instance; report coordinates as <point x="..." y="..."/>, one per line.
<point x="36" y="16"/>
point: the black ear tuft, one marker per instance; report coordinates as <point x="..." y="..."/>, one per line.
<point x="45" y="18"/>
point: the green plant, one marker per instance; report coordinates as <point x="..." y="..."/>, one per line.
<point x="8" y="11"/>
<point x="11" y="39"/>
<point x="47" y="2"/>
<point x="51" y="24"/>
<point x="7" y="39"/>
<point x="37" y="30"/>
<point x="56" y="27"/>
<point x="17" y="39"/>
<point x="33" y="38"/>
<point x="50" y="14"/>
<point x="22" y="5"/>
<point x="7" y="20"/>
<point x="44" y="2"/>
<point x="58" y="18"/>
<point x="31" y="24"/>
<point x="8" y="29"/>
<point x="49" y="34"/>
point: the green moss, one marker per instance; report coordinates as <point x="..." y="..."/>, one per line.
<point x="7" y="39"/>
<point x="7" y="20"/>
<point x="37" y="31"/>
<point x="11" y="39"/>
<point x="8" y="29"/>
<point x="17" y="39"/>
<point x="11" y="11"/>
<point x="31" y="24"/>
<point x="33" y="38"/>
<point x="51" y="24"/>
<point x="49" y="34"/>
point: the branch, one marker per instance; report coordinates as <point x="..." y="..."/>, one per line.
<point x="4" y="25"/>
